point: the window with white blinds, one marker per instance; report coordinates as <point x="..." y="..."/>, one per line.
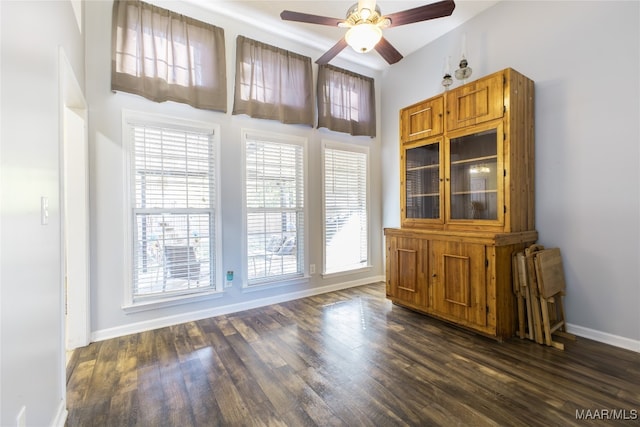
<point x="274" y="189"/>
<point x="173" y="190"/>
<point x="345" y="192"/>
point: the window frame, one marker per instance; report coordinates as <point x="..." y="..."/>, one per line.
<point x="302" y="275"/>
<point x="132" y="303"/>
<point x="348" y="147"/>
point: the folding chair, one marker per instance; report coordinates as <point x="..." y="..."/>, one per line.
<point x="532" y="287"/>
<point x="551" y="288"/>
<point x="521" y="290"/>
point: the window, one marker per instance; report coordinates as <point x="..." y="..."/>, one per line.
<point x="345" y="194"/>
<point x="346" y="101"/>
<point x="163" y="56"/>
<point x="173" y="193"/>
<point x="272" y="83"/>
<point x="274" y="191"/>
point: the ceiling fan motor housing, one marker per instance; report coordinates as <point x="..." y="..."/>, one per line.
<point x="355" y="15"/>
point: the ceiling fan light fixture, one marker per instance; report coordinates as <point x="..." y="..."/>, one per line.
<point x="366" y="22"/>
<point x="363" y="37"/>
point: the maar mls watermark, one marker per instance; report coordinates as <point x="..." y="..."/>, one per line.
<point x="607" y="414"/>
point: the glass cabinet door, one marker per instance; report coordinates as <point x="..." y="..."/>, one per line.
<point x="422" y="181"/>
<point x="474" y="176"/>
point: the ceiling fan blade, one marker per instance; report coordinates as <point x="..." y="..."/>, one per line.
<point x="289" y="15"/>
<point x="331" y="53"/>
<point x="422" y="13"/>
<point x="387" y="51"/>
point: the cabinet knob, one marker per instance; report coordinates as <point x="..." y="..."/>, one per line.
<point x="434" y="275"/>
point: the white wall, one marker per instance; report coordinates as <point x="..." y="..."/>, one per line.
<point x="32" y="351"/>
<point x="107" y="191"/>
<point x="584" y="58"/>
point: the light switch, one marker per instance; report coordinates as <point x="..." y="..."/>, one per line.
<point x="44" y="210"/>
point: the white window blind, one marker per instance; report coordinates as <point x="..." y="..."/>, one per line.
<point x="275" y="209"/>
<point x="173" y="199"/>
<point x="345" y="210"/>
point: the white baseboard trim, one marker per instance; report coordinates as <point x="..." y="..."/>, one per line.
<point x="604" y="337"/>
<point x="161" y="322"/>
<point x="61" y="415"/>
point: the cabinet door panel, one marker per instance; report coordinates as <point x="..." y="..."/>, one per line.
<point x="475" y="174"/>
<point x="422" y="120"/>
<point x="456" y="280"/>
<point x="406" y="279"/>
<point x="459" y="281"/>
<point x="422" y="183"/>
<point x="475" y="102"/>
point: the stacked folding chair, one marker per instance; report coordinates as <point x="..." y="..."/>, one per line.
<point x="539" y="286"/>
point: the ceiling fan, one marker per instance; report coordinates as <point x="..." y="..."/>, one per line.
<point x="365" y="23"/>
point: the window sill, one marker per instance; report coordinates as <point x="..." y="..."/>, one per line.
<point x="330" y="274"/>
<point x="260" y="286"/>
<point x="157" y="303"/>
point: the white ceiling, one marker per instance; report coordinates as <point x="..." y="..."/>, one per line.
<point x="407" y="38"/>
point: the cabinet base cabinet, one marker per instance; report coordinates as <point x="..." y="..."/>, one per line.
<point x="463" y="278"/>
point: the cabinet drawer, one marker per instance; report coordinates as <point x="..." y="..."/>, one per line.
<point x="476" y="102"/>
<point x="422" y="120"/>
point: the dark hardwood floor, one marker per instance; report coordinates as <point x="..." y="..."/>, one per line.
<point x="347" y="358"/>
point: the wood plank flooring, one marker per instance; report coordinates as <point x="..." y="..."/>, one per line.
<point x="346" y="358"/>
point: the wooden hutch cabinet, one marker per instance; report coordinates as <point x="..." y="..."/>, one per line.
<point x="467" y="202"/>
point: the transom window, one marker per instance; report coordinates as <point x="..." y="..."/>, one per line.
<point x="346" y="101"/>
<point x="163" y="55"/>
<point x="272" y="83"/>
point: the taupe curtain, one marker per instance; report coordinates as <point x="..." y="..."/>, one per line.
<point x="162" y="56"/>
<point x="346" y="101"/>
<point x="272" y="83"/>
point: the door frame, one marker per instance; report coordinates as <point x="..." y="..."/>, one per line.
<point x="74" y="208"/>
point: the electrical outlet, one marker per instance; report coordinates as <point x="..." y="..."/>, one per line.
<point x="312" y="269"/>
